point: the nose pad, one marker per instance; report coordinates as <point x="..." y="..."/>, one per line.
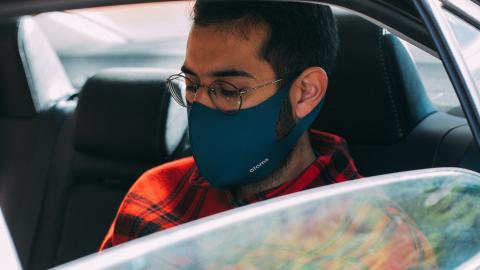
<point x="203" y="97"/>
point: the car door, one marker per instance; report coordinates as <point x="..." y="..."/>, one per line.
<point x="364" y="224"/>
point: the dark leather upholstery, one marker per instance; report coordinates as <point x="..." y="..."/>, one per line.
<point x="118" y="132"/>
<point x="375" y="87"/>
<point x="30" y="122"/>
<point x="131" y="127"/>
<point x="377" y="102"/>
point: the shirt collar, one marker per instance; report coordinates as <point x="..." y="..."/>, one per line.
<point x="327" y="147"/>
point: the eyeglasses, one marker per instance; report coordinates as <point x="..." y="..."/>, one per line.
<point x="225" y="96"/>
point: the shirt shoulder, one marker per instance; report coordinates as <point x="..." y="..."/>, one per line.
<point x="334" y="156"/>
<point x="164" y="178"/>
<point x="149" y="203"/>
<point x="325" y="142"/>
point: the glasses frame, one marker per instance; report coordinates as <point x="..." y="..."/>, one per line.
<point x="241" y="91"/>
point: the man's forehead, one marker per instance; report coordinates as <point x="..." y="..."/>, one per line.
<point x="240" y="28"/>
<point x="228" y="35"/>
<point x="215" y="48"/>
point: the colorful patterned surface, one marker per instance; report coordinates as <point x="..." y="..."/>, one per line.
<point x="432" y="222"/>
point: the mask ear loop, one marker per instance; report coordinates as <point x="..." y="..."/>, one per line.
<point x="313" y="114"/>
<point x="284" y="118"/>
<point x="302" y="125"/>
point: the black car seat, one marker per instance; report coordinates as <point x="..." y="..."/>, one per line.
<point x="377" y="102"/>
<point x="32" y="81"/>
<point x="125" y="123"/>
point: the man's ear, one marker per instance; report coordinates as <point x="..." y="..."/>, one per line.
<point x="307" y="91"/>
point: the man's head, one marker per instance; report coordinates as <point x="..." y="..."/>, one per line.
<point x="263" y="41"/>
<point x="278" y="56"/>
<point x="292" y="36"/>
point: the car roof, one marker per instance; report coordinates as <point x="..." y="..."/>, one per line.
<point x="400" y="17"/>
<point x="406" y="5"/>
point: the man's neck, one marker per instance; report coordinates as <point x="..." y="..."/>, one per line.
<point x="299" y="159"/>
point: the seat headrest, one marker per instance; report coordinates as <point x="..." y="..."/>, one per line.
<point x="375" y="94"/>
<point x="128" y="114"/>
<point x="32" y="77"/>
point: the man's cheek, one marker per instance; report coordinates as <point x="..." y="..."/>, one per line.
<point x="285" y="122"/>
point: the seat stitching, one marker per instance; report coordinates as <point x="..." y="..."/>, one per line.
<point x="389" y="84"/>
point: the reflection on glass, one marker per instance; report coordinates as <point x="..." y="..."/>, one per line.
<point x="435" y="79"/>
<point x="469" y="39"/>
<point x="417" y="220"/>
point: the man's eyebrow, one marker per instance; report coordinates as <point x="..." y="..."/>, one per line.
<point x="231" y="73"/>
<point x="220" y="73"/>
<point x="186" y="70"/>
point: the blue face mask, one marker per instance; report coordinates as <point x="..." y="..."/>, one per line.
<point x="240" y="149"/>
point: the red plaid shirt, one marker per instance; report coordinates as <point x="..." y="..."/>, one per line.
<point x="175" y="193"/>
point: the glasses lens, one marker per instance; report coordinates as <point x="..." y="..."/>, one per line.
<point x="181" y="89"/>
<point x="225" y="96"/>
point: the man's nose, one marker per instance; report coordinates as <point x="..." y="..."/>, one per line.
<point x="203" y="97"/>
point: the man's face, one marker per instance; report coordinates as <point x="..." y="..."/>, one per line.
<point x="217" y="53"/>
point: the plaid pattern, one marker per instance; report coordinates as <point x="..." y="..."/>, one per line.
<point x="175" y="193"/>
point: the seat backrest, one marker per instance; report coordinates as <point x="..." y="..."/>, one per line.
<point x="376" y="100"/>
<point x="125" y="123"/>
<point x="32" y="81"/>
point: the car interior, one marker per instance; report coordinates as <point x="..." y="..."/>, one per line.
<point x="68" y="159"/>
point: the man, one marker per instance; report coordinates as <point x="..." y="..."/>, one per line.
<point x="254" y="79"/>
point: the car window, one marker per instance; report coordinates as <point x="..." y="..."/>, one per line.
<point x="435" y="79"/>
<point x="154" y="35"/>
<point x="137" y="35"/>
<point x="468" y="38"/>
<point x="345" y="225"/>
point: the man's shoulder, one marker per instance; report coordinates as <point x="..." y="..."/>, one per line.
<point x="151" y="198"/>
<point x="334" y="156"/>
<point x="165" y="177"/>
<point x="325" y="142"/>
<point x="174" y="169"/>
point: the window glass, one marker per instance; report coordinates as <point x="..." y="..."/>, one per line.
<point x="468" y="37"/>
<point x="139" y="35"/>
<point x="428" y="217"/>
<point x="155" y="34"/>
<point x="435" y="79"/>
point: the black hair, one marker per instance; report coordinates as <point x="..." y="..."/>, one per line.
<point x="299" y="35"/>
